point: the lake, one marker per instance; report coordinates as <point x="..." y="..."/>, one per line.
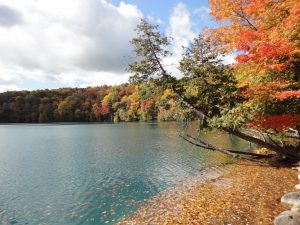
<point x="68" y="174"/>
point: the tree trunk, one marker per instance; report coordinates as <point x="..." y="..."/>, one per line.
<point x="234" y="154"/>
<point x="278" y="149"/>
<point x="275" y="148"/>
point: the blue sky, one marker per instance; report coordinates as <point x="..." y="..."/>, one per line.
<point x="163" y="9"/>
<point x="79" y="43"/>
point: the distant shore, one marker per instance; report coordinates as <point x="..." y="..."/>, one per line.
<point x="245" y="194"/>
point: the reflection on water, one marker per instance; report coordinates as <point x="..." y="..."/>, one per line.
<point x="94" y="173"/>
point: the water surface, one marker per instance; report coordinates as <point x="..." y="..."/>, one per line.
<point x="93" y="173"/>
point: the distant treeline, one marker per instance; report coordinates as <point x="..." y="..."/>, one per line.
<point x="126" y="102"/>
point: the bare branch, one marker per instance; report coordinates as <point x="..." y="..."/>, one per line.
<point x="204" y="144"/>
<point x="241" y="15"/>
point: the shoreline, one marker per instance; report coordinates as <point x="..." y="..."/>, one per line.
<point x="243" y="194"/>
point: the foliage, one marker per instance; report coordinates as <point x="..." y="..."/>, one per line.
<point x="260" y="91"/>
<point x="266" y="36"/>
<point x="208" y="84"/>
<point x="150" y="47"/>
<point x="128" y="102"/>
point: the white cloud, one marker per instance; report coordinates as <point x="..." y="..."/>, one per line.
<point x="94" y="78"/>
<point x="203" y="12"/>
<point x="229" y="58"/>
<point x="78" y="42"/>
<point x="69" y="41"/>
<point x="181" y="29"/>
<point x="9" y="87"/>
<point x="155" y="20"/>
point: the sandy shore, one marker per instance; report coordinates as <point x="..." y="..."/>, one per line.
<point x="245" y="194"/>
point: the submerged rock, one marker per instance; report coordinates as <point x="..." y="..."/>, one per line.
<point x="288" y="218"/>
<point x="296" y="168"/>
<point x="297" y="187"/>
<point x="298" y="176"/>
<point x="292" y="198"/>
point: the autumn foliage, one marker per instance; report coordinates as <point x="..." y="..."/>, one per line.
<point x="277" y="122"/>
<point x="265" y="35"/>
<point x="127" y="102"/>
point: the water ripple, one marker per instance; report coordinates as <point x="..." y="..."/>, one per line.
<point x="94" y="174"/>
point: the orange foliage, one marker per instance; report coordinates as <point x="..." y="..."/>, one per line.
<point x="263" y="91"/>
<point x="243" y="58"/>
<point x="126" y="91"/>
<point x="266" y="34"/>
<point x="266" y="30"/>
<point x="288" y="94"/>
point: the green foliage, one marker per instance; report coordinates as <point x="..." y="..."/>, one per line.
<point x="150" y="47"/>
<point x="233" y="118"/>
<point x="209" y="84"/>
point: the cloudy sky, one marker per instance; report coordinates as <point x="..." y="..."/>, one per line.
<point x="79" y="43"/>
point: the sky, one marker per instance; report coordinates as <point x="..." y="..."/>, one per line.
<point x="79" y="43"/>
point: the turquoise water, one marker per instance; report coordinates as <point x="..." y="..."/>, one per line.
<point x="93" y="173"/>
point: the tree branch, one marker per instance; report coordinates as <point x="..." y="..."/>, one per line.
<point x="164" y="72"/>
<point x="242" y="16"/>
<point x="278" y="149"/>
<point x="203" y="144"/>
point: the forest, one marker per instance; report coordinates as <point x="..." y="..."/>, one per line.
<point x="128" y="102"/>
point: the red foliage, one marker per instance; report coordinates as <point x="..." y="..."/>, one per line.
<point x="147" y="104"/>
<point x="265" y="30"/>
<point x="243" y="58"/>
<point x="243" y="46"/>
<point x="288" y="94"/>
<point x="104" y="110"/>
<point x="126" y="91"/>
<point x="273" y="50"/>
<point x="128" y="104"/>
<point x="278" y="122"/>
<point x="245" y="40"/>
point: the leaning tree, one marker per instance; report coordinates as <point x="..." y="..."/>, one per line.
<point x="209" y="88"/>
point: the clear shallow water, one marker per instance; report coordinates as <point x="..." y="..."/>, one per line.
<point x="93" y="173"/>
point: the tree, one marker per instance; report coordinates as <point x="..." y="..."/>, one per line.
<point x="209" y="84"/>
<point x="65" y="110"/>
<point x="210" y="89"/>
<point x="266" y="34"/>
<point x="150" y="47"/>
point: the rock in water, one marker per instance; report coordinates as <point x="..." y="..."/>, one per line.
<point x="292" y="198"/>
<point x="298" y="176"/>
<point x="297" y="187"/>
<point x="288" y="218"/>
